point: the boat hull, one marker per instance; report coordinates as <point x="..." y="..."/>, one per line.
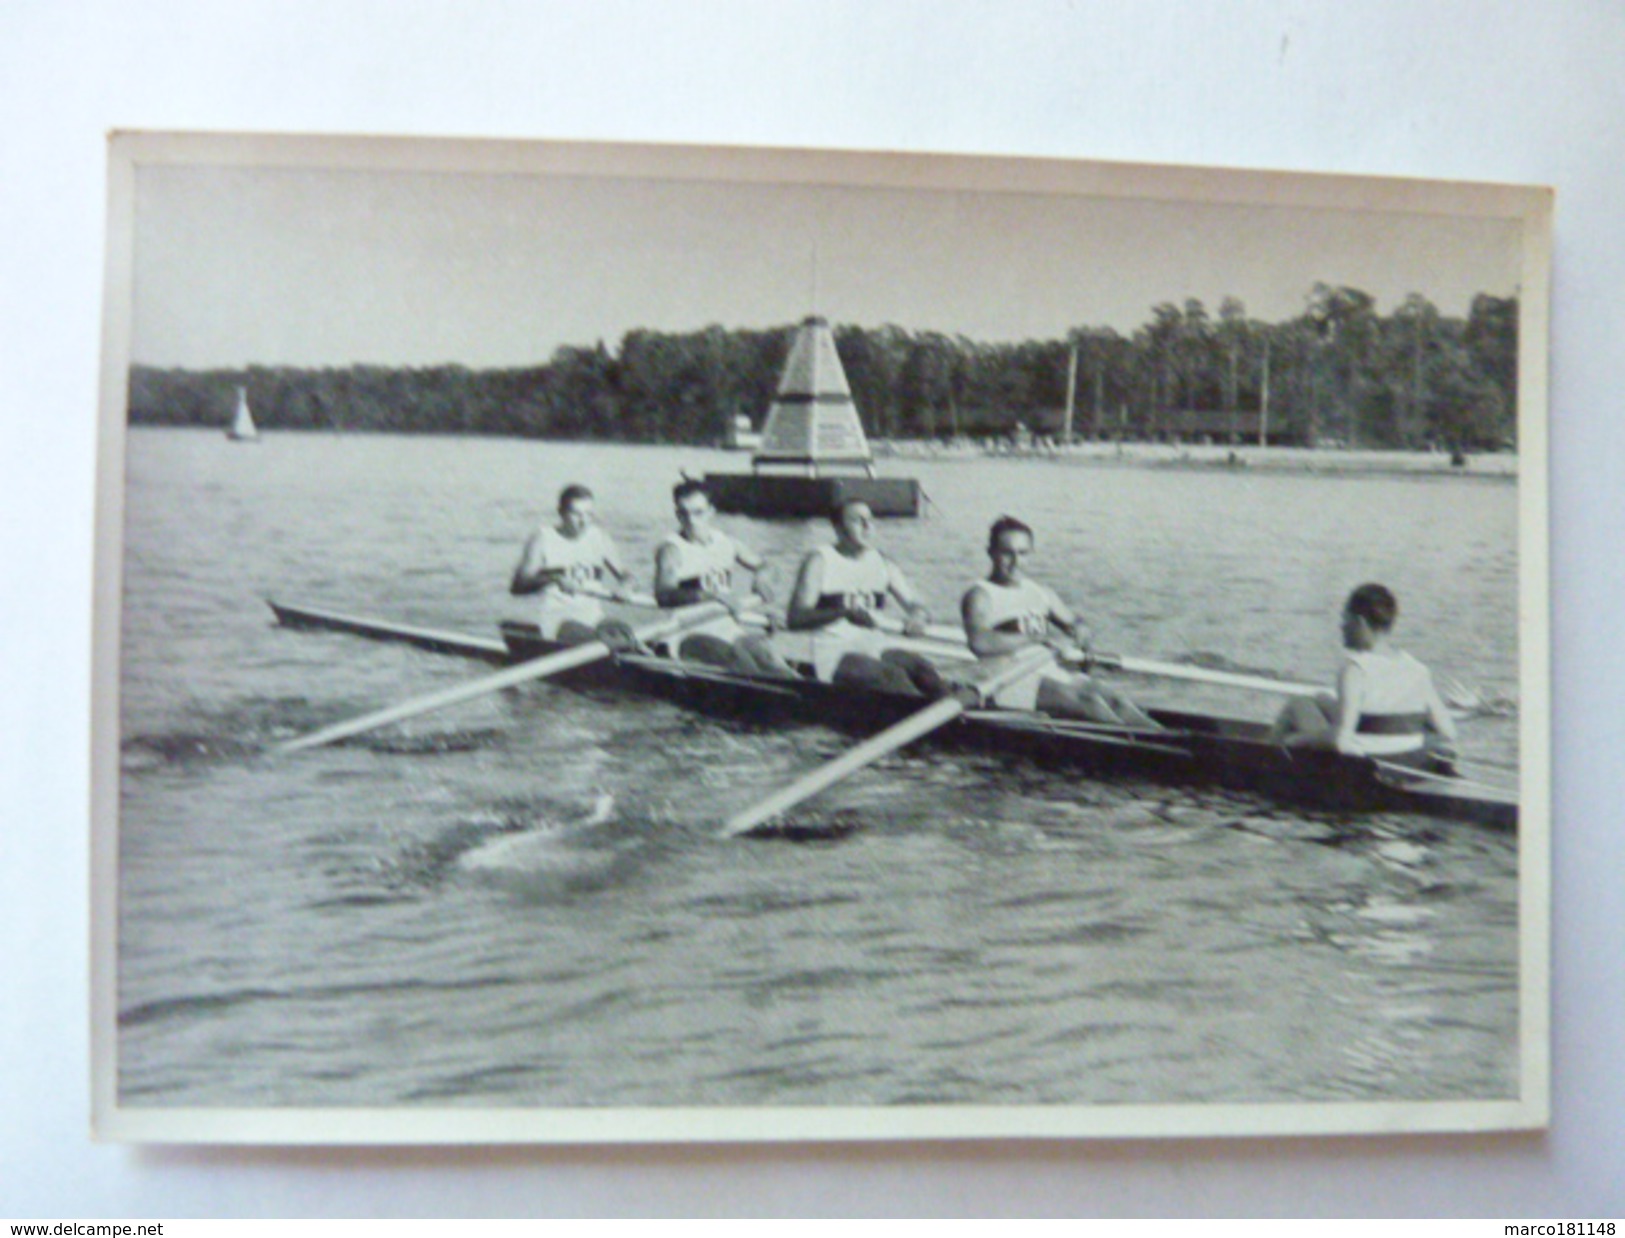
<point x="1193" y="748"/>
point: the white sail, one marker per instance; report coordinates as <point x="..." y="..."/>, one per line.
<point x="242" y="424"/>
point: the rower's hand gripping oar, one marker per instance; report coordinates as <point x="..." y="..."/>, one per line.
<point x="954" y="639"/>
<point x="1462" y="700"/>
<point x="526" y="672"/>
<point x="1025" y="664"/>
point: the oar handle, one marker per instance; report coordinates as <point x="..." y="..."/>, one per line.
<point x="754" y="617"/>
<point x="525" y="672"/>
<point x="938" y="714"/>
<point x="949" y="635"/>
<point x="609" y="595"/>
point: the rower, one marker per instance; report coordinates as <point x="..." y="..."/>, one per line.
<point x="567" y="566"/>
<point x="1010" y="611"/>
<point x="696" y="564"/>
<point x="1385" y="704"/>
<point x="843" y="594"/>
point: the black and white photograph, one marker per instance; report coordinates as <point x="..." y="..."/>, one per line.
<point x="626" y="643"/>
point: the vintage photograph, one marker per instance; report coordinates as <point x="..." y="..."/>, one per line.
<point x="627" y="643"/>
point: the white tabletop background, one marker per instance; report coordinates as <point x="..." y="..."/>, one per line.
<point x="1498" y="90"/>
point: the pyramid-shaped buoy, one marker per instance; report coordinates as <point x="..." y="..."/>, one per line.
<point x="812" y="443"/>
<point x="813" y="421"/>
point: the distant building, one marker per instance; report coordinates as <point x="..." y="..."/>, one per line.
<point x="1177" y="425"/>
<point x="1209" y="425"/>
<point x="742" y="436"/>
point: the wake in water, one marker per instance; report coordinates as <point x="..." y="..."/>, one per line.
<point x="1469" y="702"/>
<point x="254" y="728"/>
<point x="203" y="736"/>
<point x="809" y="826"/>
<point x="145" y="752"/>
<point x="554" y="853"/>
<point x="437" y="744"/>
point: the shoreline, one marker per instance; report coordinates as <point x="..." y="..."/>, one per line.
<point x="1500" y="465"/>
<point x="1323" y="461"/>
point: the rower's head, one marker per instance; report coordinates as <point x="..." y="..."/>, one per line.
<point x="1368" y="615"/>
<point x="693" y="504"/>
<point x="1009" y="542"/>
<point x="575" y="510"/>
<point x="854" y="522"/>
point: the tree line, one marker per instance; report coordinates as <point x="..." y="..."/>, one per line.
<point x="1337" y="373"/>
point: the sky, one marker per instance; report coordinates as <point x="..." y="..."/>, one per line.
<point x="332" y="266"/>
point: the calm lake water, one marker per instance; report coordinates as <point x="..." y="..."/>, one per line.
<point x="521" y="901"/>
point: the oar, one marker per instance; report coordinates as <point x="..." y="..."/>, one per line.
<point x="1398" y="772"/>
<point x="629" y="599"/>
<point x="749" y="618"/>
<point x="1199" y="674"/>
<point x="539" y="668"/>
<point x="1025" y="664"/>
<point x="955" y="637"/>
<point x="1225" y="679"/>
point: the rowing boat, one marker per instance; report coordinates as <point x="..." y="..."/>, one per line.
<point x="1192" y="747"/>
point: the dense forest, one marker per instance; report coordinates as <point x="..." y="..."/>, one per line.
<point x="1339" y="373"/>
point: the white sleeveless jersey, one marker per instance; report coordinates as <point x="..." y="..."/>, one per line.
<point x="859" y="583"/>
<point x="1393" y="701"/>
<point x="582" y="559"/>
<point x="1023" y="607"/>
<point x="705" y="565"/>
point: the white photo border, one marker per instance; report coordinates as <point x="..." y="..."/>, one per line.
<point x="1530" y="206"/>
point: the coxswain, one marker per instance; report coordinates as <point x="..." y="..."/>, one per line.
<point x="1010" y="611"/>
<point x="845" y="596"/>
<point x="570" y="567"/>
<point x="697" y="564"/>
<point x="1385" y="705"/>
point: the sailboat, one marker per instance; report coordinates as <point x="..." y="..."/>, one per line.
<point x="243" y="429"/>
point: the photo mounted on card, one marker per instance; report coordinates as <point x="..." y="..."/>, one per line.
<point x="632" y="643"/>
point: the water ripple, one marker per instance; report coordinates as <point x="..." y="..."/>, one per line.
<point x="205" y="1003"/>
